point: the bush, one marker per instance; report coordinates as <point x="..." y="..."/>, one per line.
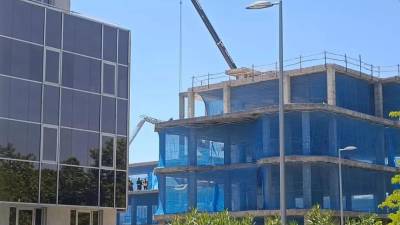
<point x="222" y="218"/>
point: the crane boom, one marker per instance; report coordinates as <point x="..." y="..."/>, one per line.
<point x="214" y="34"/>
<point x="139" y="126"/>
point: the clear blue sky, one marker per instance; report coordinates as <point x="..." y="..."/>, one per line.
<point x="367" y="27"/>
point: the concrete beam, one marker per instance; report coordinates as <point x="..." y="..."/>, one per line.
<point x="331" y="85"/>
<point x="378" y="99"/>
<point x="227" y="98"/>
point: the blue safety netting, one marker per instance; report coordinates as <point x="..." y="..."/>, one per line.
<point x="254" y="95"/>
<point x="307" y="133"/>
<point x="307" y="184"/>
<point x="391" y="98"/>
<point x="310" y="88"/>
<point x="355" y="94"/>
<point x="213" y="101"/>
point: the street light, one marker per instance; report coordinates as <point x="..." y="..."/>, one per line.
<point x="348" y="148"/>
<point x="263" y="5"/>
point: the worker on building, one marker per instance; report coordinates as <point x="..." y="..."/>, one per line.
<point x="139" y="184"/>
<point x="145" y="184"/>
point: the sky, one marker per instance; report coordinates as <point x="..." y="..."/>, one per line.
<point x="354" y="27"/>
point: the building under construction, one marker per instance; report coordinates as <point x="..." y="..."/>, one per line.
<point x="228" y="159"/>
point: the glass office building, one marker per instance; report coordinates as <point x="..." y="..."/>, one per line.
<point x="64" y="100"/>
<point x="142" y="195"/>
<point x="229" y="159"/>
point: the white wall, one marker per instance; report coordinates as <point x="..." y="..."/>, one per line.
<point x="109" y="217"/>
<point x="4" y="215"/>
<point x="58" y="216"/>
<point x="63" y="4"/>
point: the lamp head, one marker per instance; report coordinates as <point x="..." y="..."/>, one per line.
<point x="260" y="5"/>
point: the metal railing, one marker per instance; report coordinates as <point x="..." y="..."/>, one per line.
<point x="301" y="62"/>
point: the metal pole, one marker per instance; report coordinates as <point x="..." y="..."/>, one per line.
<point x="340" y="189"/>
<point x="281" y="121"/>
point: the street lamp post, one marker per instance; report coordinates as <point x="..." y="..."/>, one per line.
<point x="263" y="5"/>
<point x="348" y="148"/>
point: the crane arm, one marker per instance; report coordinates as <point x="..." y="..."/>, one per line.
<point x="214" y="34"/>
<point x="139" y="126"/>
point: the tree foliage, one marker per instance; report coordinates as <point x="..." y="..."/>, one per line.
<point x="222" y="218"/>
<point x="392" y="202"/>
<point x="315" y="216"/>
<point x="394" y="114"/>
<point x="365" y="220"/>
<point x="276" y="220"/>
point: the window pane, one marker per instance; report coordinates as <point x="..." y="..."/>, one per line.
<point x="82" y="36"/>
<point x="123" y="47"/>
<point x="120" y="190"/>
<point x="38" y="217"/>
<point x="19" y="185"/>
<point x="53" y="28"/>
<point x="78" y="186"/>
<point x="81" y="72"/>
<point x="108" y="79"/>
<point x="121" y="154"/>
<point x="19" y="140"/>
<point x="49" y="144"/>
<point x="108" y="115"/>
<point x="22" y="20"/>
<point x="25" y="217"/>
<point x="20" y="99"/>
<point x="123" y="82"/>
<point x="13" y="216"/>
<point x="122" y="118"/>
<point x="79" y="148"/>
<point x="73" y="217"/>
<point x="21" y="59"/>
<point x="52" y="66"/>
<point x="107" y="188"/>
<point x="110" y="44"/>
<point x="51" y="104"/>
<point x="95" y="218"/>
<point x="83" y="218"/>
<point x="107" y="155"/>
<point x="80" y="110"/>
<point x="48" y="184"/>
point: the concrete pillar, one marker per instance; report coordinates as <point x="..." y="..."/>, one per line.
<point x="60" y="216"/>
<point x="109" y="216"/>
<point x="227" y="98"/>
<point x="192" y="191"/>
<point x="271" y="201"/>
<point x="332" y="136"/>
<point x="306" y="132"/>
<point x="181" y="106"/>
<point x="331" y="85"/>
<point x="307" y="186"/>
<point x="286" y="89"/>
<point x="378" y="99"/>
<point x="191" y="104"/>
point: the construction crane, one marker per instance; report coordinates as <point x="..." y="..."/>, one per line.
<point x="214" y="34"/>
<point x="139" y="126"/>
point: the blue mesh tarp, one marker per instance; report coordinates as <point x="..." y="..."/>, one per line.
<point x="255" y="95"/>
<point x="355" y="94"/>
<point x="391" y="98"/>
<point x="309" y="88"/>
<point x="213" y="101"/>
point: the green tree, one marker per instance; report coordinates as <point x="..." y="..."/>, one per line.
<point x="371" y="219"/>
<point x="276" y="220"/>
<point x="394" y="114"/>
<point x="222" y="218"/>
<point x="392" y="202"/>
<point x="316" y="216"/>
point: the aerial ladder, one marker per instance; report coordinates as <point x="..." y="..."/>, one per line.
<point x="139" y="126"/>
<point x="214" y="35"/>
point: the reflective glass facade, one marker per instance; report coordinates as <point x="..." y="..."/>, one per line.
<point x="64" y="97"/>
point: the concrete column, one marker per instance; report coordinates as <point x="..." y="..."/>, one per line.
<point x="181" y="106"/>
<point x="332" y="136"/>
<point x="331" y="85"/>
<point x="191" y="104"/>
<point x="286" y="89"/>
<point x="307" y="186"/>
<point x="378" y="99"/>
<point x="306" y="132"/>
<point x="227" y="98"/>
<point x="228" y="193"/>
<point x="192" y="191"/>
